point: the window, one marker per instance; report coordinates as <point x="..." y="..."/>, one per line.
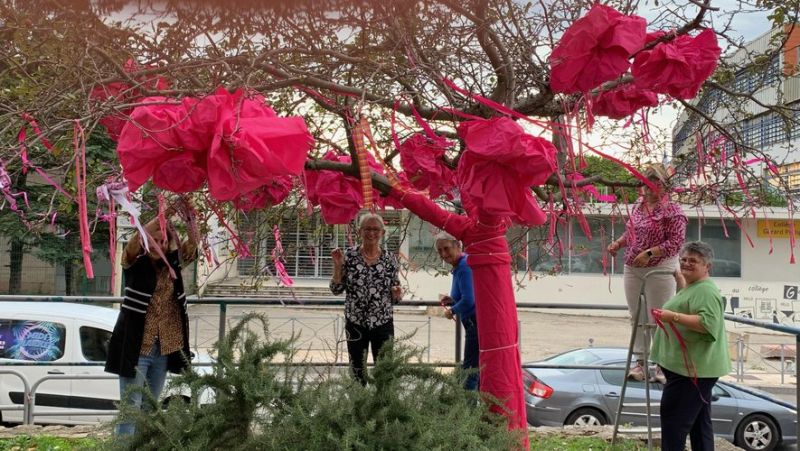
<point x="772" y="129"/>
<point x="307" y="243"/>
<point x="37" y="341"/>
<point x="94" y="343"/>
<point x="719" y="392"/>
<point x="419" y="236"/>
<point x="727" y="249"/>
<point x="586" y="256"/>
<point x="615" y="377"/>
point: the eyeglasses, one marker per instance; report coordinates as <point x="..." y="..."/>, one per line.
<point x="691" y="261"/>
<point x="371" y="229"/>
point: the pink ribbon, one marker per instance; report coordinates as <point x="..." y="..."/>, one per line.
<point x="277" y="256"/>
<point x="656" y="313"/>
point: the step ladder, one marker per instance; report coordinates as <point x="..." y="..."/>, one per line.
<point x="640" y="321"/>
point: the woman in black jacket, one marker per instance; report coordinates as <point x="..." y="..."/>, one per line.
<point x="151" y="336"/>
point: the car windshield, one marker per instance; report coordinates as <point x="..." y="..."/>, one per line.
<point x="576" y="357"/>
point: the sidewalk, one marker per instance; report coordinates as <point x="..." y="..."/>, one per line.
<point x="768" y="382"/>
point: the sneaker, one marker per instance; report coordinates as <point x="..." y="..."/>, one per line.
<point x="637" y="373"/>
<point x="659" y="376"/>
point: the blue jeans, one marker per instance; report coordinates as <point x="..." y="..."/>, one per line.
<point x="151" y="371"/>
<point x="471" y="351"/>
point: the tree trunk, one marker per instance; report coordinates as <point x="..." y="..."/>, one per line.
<point x="15" y="277"/>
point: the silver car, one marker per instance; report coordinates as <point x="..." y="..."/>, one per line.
<point x="753" y="420"/>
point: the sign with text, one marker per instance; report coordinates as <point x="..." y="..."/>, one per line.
<point x="778" y="227"/>
<point x="773" y="302"/>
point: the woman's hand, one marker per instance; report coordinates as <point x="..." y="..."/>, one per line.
<point x="613" y="248"/>
<point x="397" y="292"/>
<point x="668" y="316"/>
<point x="680" y="281"/>
<point x="641" y="259"/>
<point x="338" y="257"/>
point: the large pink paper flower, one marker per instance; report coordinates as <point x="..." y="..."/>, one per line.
<point x="623" y="101"/>
<point x="422" y="160"/>
<point x="272" y="193"/>
<point x="235" y="141"/>
<point x="499" y="167"/>
<point x="124" y="92"/>
<point x="678" y="67"/>
<point x="146" y="141"/>
<point x="251" y="145"/>
<point x="595" y="49"/>
<point x="341" y="196"/>
<point x="338" y="195"/>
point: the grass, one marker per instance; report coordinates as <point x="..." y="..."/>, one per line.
<point x="47" y="443"/>
<point x="581" y="443"/>
<point x="538" y="442"/>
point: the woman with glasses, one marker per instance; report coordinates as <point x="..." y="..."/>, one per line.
<point x="693" y="316"/>
<point x="368" y="275"/>
<point x="654" y="234"/>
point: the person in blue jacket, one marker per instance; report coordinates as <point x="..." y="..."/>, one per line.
<point x="461" y="302"/>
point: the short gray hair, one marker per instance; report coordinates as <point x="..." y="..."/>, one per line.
<point x="704" y="250"/>
<point x="444" y="236"/>
<point x="369" y="217"/>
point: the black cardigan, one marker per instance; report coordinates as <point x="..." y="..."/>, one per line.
<point x="126" y="341"/>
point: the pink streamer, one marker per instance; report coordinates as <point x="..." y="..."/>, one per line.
<point x="277" y="256"/>
<point x="656" y="313"/>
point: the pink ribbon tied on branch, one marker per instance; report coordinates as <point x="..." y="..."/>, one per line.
<point x="5" y="188"/>
<point x="277" y="258"/>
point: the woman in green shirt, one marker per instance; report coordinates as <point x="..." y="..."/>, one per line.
<point x="697" y="313"/>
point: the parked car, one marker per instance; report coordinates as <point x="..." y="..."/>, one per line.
<point x="581" y="397"/>
<point x="61" y="333"/>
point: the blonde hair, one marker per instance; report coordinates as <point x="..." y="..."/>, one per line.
<point x="658" y="171"/>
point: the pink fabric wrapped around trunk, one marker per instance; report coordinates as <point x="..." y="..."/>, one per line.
<point x="496" y="309"/>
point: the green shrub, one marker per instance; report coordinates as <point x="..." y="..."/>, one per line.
<point x="261" y="404"/>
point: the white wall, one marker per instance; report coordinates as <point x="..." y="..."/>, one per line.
<point x="765" y="277"/>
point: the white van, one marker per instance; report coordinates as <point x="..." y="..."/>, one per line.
<point x="60" y="333"/>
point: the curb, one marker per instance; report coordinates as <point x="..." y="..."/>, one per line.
<point x="776" y="389"/>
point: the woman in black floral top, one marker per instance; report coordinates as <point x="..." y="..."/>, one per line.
<point x="369" y="276"/>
